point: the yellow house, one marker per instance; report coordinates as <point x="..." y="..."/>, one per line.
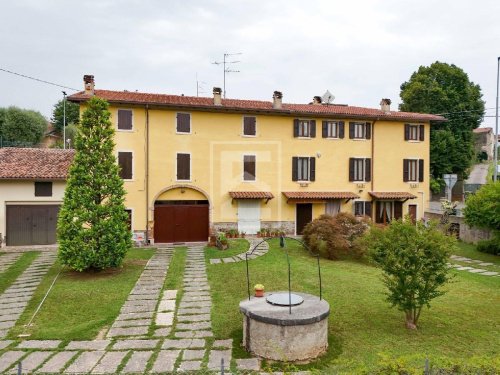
<point x="192" y="163"/>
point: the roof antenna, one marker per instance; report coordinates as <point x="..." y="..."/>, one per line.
<point x="200" y="86"/>
<point x="224" y="62"/>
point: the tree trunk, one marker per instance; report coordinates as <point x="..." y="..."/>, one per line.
<point x="410" y="320"/>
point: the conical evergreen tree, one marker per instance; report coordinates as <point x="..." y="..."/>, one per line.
<point x="92" y="225"/>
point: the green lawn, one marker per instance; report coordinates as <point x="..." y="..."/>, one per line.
<point x="236" y="246"/>
<point x="469" y="251"/>
<point x="462" y="323"/>
<point x="14" y="271"/>
<point x="80" y="305"/>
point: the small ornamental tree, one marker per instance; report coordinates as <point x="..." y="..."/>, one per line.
<point x="413" y="258"/>
<point x="335" y="236"/>
<point x="92" y="226"/>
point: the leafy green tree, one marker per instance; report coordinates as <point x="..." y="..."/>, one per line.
<point x="483" y="211"/>
<point x="446" y="89"/>
<point x="21" y="126"/>
<point x="92" y="225"/>
<point x="413" y="258"/>
<point x="72" y="115"/>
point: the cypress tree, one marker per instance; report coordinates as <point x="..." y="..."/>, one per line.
<point x="92" y="225"/>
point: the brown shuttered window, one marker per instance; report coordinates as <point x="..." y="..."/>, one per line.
<point x="362" y="208"/>
<point x="183" y="123"/>
<point x="360" y="170"/>
<point x="125" y="119"/>
<point x="413" y="170"/>
<point x="43" y="189"/>
<point x="125" y="163"/>
<point x="360" y="130"/>
<point x="414" y="132"/>
<point x="304" y="128"/>
<point x="183" y="167"/>
<point x="249" y="127"/>
<point x="303" y="169"/>
<point x="249" y="167"/>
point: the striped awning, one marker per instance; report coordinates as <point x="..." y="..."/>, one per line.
<point x="318" y="195"/>
<point x="251" y="195"/>
<point x="392" y="195"/>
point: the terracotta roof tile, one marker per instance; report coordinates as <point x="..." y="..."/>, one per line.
<point x="204" y="103"/>
<point x="35" y="163"/>
<point x="320" y="195"/>
<point x="482" y="130"/>
<point x="391" y="195"/>
<point x="251" y="195"/>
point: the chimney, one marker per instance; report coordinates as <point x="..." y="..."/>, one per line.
<point x="317" y="100"/>
<point x="88" y="84"/>
<point x="277" y="99"/>
<point x="385" y="105"/>
<point x="217" y="96"/>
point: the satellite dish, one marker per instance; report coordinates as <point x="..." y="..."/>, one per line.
<point x="328" y="97"/>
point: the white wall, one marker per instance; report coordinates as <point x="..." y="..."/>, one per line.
<point x="23" y="192"/>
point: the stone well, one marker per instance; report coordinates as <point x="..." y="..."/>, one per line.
<point x="271" y="332"/>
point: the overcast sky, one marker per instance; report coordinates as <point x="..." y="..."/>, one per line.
<point x="359" y="50"/>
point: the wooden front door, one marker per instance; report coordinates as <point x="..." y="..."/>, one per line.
<point x="412" y="211"/>
<point x="31" y="224"/>
<point x="181" y="222"/>
<point x="303" y="216"/>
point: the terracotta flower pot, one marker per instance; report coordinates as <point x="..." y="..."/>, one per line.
<point x="259" y="292"/>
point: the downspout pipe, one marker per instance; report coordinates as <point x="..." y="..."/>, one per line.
<point x="147" y="173"/>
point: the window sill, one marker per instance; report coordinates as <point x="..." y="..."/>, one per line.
<point x="183" y="133"/>
<point x="359" y="139"/>
<point x="125" y="130"/>
<point x="128" y="179"/>
<point x="183" y="181"/>
<point x="249" y="181"/>
<point x="414" y="141"/>
<point x="332" y="138"/>
<point x="249" y="136"/>
<point x="308" y="138"/>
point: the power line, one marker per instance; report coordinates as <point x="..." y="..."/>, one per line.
<point x="472" y="110"/>
<point x="37" y="79"/>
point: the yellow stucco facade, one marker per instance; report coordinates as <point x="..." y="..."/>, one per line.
<point x="216" y="145"/>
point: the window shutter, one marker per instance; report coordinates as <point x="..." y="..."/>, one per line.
<point x="295" y="167"/>
<point x="407" y="132"/>
<point x="405" y="170"/>
<point x="43" y="189"/>
<point x="358" y="208"/>
<point x="368" y="209"/>
<point x="249" y="127"/>
<point x="183" y="166"/>
<point x="249" y="167"/>
<point x="312" y="169"/>
<point x="368" y="170"/>
<point x="398" y="210"/>
<point x="351" y="130"/>
<point x="422" y="127"/>
<point x="296" y="127"/>
<point x="183" y="123"/>
<point x="124" y="119"/>
<point x="368" y="130"/>
<point x="421" y="170"/>
<point x="341" y="129"/>
<point x="312" y="124"/>
<point x="325" y="129"/>
<point x="125" y="163"/>
<point x="351" y="169"/>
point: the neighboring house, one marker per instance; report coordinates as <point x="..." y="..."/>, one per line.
<point x="190" y="163"/>
<point x="51" y="137"/>
<point x="484" y="140"/>
<point x="32" y="183"/>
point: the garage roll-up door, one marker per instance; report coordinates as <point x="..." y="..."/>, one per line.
<point x="31" y="224"/>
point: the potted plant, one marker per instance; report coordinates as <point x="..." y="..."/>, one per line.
<point x="222" y="243"/>
<point x="242" y="234"/>
<point x="213" y="236"/>
<point x="259" y="290"/>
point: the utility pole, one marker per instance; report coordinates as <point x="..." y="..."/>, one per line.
<point x="227" y="69"/>
<point x="64" y="119"/>
<point x="495" y="170"/>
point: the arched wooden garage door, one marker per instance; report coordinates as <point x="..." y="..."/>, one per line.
<point x="181" y="221"/>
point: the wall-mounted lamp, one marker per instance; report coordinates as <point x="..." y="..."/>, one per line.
<point x="318" y="154"/>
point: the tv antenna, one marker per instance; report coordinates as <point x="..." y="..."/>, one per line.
<point x="200" y="86"/>
<point x="328" y="97"/>
<point x="227" y="68"/>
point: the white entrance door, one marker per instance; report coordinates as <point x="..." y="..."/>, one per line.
<point x="249" y="216"/>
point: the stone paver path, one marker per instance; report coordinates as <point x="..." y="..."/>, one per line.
<point x="262" y="248"/>
<point x="7" y="260"/>
<point x="136" y="315"/>
<point x="15" y="298"/>
<point x="475" y="266"/>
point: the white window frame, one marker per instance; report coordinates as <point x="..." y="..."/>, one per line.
<point x="133" y="164"/>
<point x="190" y="123"/>
<point x="133" y="121"/>
<point x="190" y="166"/>
<point x="243" y="127"/>
<point x="416" y="163"/>
<point x="329" y="125"/>
<point x="243" y="165"/>
<point x="416" y="127"/>
<point x="308" y="158"/>
<point x="302" y="126"/>
<point x="362" y="160"/>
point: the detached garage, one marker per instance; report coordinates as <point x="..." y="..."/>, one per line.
<point x="32" y="183"/>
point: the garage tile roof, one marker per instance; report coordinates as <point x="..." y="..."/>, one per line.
<point x="320" y="195"/>
<point x="251" y="195"/>
<point x="35" y="163"/>
<point x="392" y="195"/>
<point x="228" y="105"/>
